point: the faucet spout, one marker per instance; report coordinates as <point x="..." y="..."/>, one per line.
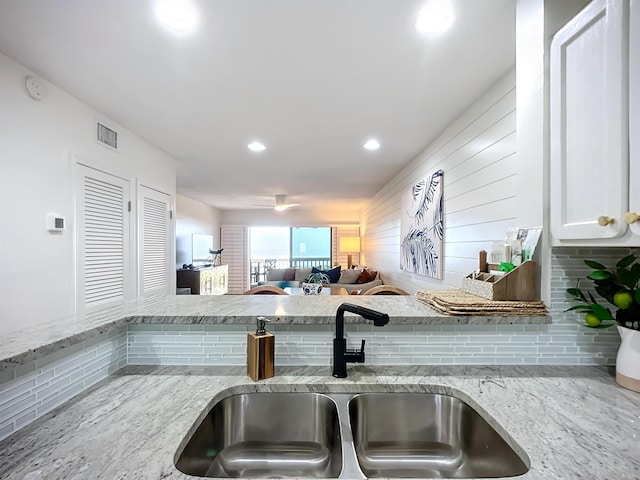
<point x="341" y="355"/>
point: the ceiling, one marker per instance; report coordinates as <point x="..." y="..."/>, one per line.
<point x="311" y="79"/>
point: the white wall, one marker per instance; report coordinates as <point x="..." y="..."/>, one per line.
<point x="537" y="21"/>
<point x="36" y="140"/>
<point x="193" y="216"/>
<point x="478" y="156"/>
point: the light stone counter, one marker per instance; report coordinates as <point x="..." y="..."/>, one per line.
<point x="27" y="344"/>
<point x="571" y="422"/>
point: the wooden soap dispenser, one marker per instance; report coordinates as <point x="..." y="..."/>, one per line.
<point x="260" y="352"/>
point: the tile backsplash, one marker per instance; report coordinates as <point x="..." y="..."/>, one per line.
<point x="564" y="342"/>
<point x="31" y="390"/>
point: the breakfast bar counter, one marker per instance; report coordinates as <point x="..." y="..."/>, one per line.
<point x="30" y="343"/>
<point x="566" y="422"/>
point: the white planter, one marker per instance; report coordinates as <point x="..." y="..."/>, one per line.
<point x="628" y="359"/>
<point x="311" y="288"/>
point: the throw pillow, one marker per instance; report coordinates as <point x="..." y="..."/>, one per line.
<point x="367" y="276"/>
<point x="289" y="274"/>
<point x="302" y="273"/>
<point x="349" y="276"/>
<point x="275" y="274"/>
<point x="333" y="274"/>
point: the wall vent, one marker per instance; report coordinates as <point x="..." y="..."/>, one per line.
<point x="107" y="137"/>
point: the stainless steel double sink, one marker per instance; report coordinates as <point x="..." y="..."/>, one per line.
<point x="347" y="435"/>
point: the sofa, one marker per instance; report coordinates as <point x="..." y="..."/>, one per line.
<point x="353" y="279"/>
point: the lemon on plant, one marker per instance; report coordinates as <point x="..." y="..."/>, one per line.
<point x="592" y="320"/>
<point x="623" y="300"/>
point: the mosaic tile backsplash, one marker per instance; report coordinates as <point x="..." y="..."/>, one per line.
<point x="564" y="342"/>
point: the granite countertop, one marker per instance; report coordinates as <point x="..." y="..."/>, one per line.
<point x="26" y="344"/>
<point x="571" y="422"/>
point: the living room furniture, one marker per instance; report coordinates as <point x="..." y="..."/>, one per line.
<point x="292" y="277"/>
<point x="385" y="290"/>
<point x="204" y="280"/>
<point x="325" y="291"/>
<point x="265" y="290"/>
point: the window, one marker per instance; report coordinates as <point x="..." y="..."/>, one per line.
<point x="283" y="247"/>
<point x="311" y="247"/>
<point x="270" y="243"/>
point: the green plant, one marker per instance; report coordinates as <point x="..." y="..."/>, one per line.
<point x="618" y="286"/>
<point x="317" y="277"/>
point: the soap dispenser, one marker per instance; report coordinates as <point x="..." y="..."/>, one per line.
<point x="260" y="351"/>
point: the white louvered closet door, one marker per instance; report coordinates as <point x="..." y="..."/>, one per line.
<point x="235" y="242"/>
<point x="154" y="237"/>
<point x="103" y="235"/>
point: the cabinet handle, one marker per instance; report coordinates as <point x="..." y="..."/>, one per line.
<point x="631" y="217"/>
<point x="604" y="220"/>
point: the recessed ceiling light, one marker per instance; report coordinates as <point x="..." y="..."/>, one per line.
<point x="175" y="14"/>
<point x="256" y="147"/>
<point x="372" y="144"/>
<point x="435" y="17"/>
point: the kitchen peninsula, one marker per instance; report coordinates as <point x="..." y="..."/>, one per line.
<point x="42" y="367"/>
<point x="567" y="422"/>
<point x="24" y="345"/>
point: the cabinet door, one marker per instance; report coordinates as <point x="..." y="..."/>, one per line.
<point x="634" y="113"/>
<point x="206" y="281"/>
<point x="589" y="123"/>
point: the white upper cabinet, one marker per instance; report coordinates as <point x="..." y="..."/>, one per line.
<point x="634" y="117"/>
<point x="589" y="130"/>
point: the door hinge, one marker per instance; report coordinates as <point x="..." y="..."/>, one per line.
<point x="129" y="206"/>
<point x="170" y="214"/>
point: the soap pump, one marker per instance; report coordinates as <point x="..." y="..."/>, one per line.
<point x="261" y="351"/>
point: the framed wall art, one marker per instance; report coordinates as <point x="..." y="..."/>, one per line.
<point x="421" y="226"/>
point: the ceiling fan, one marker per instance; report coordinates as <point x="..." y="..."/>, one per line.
<point x="281" y="204"/>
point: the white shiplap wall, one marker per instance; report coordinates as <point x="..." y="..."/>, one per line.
<point x="478" y="156"/>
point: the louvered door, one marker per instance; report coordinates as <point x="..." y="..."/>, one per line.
<point x="236" y="253"/>
<point x="103" y="226"/>
<point x="154" y="241"/>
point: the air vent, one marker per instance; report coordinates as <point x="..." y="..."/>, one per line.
<point x="107" y="137"/>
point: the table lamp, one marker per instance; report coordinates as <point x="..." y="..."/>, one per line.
<point x="350" y="245"/>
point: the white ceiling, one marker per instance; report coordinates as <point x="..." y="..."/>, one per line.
<point x="312" y="79"/>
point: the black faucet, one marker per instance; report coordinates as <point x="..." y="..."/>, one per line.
<point x="342" y="355"/>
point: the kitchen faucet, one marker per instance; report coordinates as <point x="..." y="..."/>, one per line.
<point x="342" y="355"/>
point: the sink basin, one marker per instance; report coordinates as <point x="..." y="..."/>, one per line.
<point x="427" y="435"/>
<point x="262" y="435"/>
<point x="347" y="435"/>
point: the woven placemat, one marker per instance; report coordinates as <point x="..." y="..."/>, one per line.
<point x="457" y="302"/>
